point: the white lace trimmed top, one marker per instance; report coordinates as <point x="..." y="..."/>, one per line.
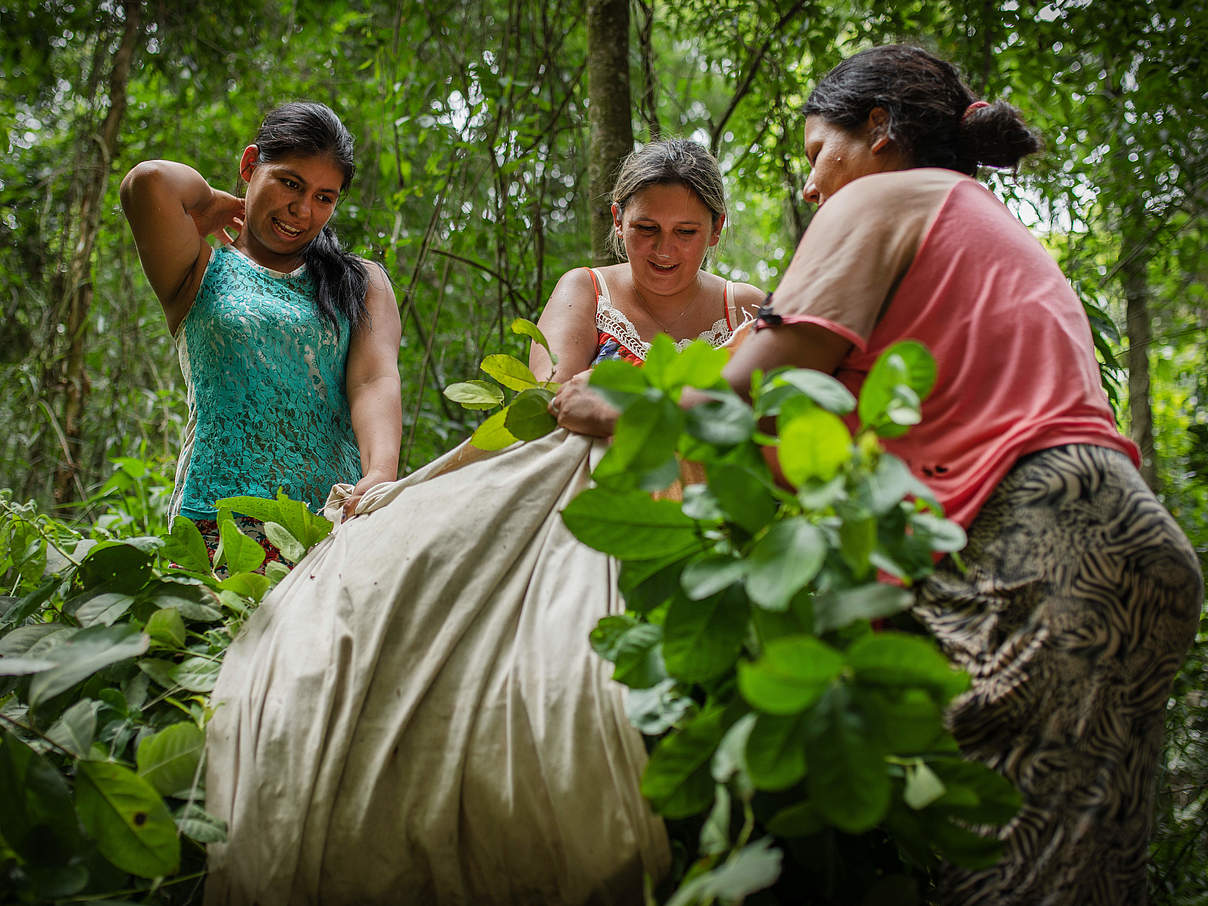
<point x="619" y="339"/>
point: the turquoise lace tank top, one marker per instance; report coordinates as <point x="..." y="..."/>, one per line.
<point x="265" y="376"/>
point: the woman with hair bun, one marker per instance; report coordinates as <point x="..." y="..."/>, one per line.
<point x="1078" y="595"/>
<point x="288" y="343"/>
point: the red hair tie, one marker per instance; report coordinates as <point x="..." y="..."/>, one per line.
<point x="976" y="105"/>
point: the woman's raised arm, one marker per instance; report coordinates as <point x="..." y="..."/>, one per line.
<point x="171" y="209"/>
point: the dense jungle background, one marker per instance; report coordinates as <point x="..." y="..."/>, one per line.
<point x="487" y="132"/>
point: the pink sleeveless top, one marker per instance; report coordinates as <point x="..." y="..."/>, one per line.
<point x="1015" y="368"/>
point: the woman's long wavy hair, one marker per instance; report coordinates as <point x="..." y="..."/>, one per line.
<point x="310" y="129"/>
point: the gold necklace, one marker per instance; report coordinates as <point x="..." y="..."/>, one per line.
<point x="644" y="305"/>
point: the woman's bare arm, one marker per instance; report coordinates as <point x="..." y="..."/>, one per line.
<point x="171" y="209"/>
<point x="374" y="389"/>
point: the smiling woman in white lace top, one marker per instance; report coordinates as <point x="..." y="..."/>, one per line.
<point x="668" y="209"/>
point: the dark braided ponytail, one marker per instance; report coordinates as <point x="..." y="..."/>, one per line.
<point x="307" y="128"/>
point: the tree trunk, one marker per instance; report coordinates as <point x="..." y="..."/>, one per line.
<point x="1140" y="337"/>
<point x="77" y="302"/>
<point x="609" y="117"/>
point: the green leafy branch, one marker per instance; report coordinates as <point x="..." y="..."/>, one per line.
<point x="747" y="642"/>
<point x="109" y="650"/>
<point x="526" y="416"/>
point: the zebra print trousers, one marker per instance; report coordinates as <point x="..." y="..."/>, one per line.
<point x="1079" y="598"/>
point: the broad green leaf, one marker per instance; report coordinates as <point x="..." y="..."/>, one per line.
<point x="119" y="565"/>
<point x="527" y="417"/>
<point x="618" y="381"/>
<point x="776" y="751"/>
<point x="185" y="546"/>
<point x="76" y="728"/>
<point x="166" y="627"/>
<point x="888" y="484"/>
<point x="35" y="802"/>
<point x="848" y="780"/>
<point x="723" y="421"/>
<point x="813" y="444"/>
<point x="677" y="779"/>
<point x="941" y="534"/>
<point x="823" y="389"/>
<point x="492" y="434"/>
<point x="526" y="328"/>
<point x="283" y="540"/>
<point x="783" y="561"/>
<point x="639" y="661"/>
<point x="606" y="636"/>
<point x="644" y="440"/>
<point x="744" y="499"/>
<point x="708" y="575"/>
<point x="645" y="584"/>
<point x="791" y="675"/>
<point x="169" y="760"/>
<point x="897" y="659"/>
<point x="127" y="818"/>
<point x="975" y="793"/>
<point x="250" y="585"/>
<point x="241" y="553"/>
<point x="159" y="670"/>
<point x="836" y="609"/>
<point x="701" y="639"/>
<point x="910" y="722"/>
<point x="475" y="394"/>
<point x="99" y="606"/>
<point x="197" y="674"/>
<point x="753" y="868"/>
<point x="509" y="371"/>
<point x="900" y="379"/>
<point x="698" y="365"/>
<point x="86" y="652"/>
<point x="629" y="524"/>
<point x="194" y="600"/>
<point x="309" y="528"/>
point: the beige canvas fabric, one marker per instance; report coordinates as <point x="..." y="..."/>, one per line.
<point x="415" y="715"/>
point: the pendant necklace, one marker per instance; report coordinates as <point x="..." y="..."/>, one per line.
<point x="664" y="327"/>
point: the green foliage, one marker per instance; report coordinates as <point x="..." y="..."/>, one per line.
<point x="526" y="416"/>
<point x="109" y="648"/>
<point x="747" y="642"/>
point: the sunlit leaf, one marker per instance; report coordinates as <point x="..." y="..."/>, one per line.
<point x="813" y="444"/>
<point x="509" y="371"/>
<point x="475" y="394"/>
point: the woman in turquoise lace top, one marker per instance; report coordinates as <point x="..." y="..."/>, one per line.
<point x="288" y="344"/>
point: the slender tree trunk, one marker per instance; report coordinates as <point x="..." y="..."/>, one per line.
<point x="78" y="291"/>
<point x="609" y="117"/>
<point x="1140" y="336"/>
